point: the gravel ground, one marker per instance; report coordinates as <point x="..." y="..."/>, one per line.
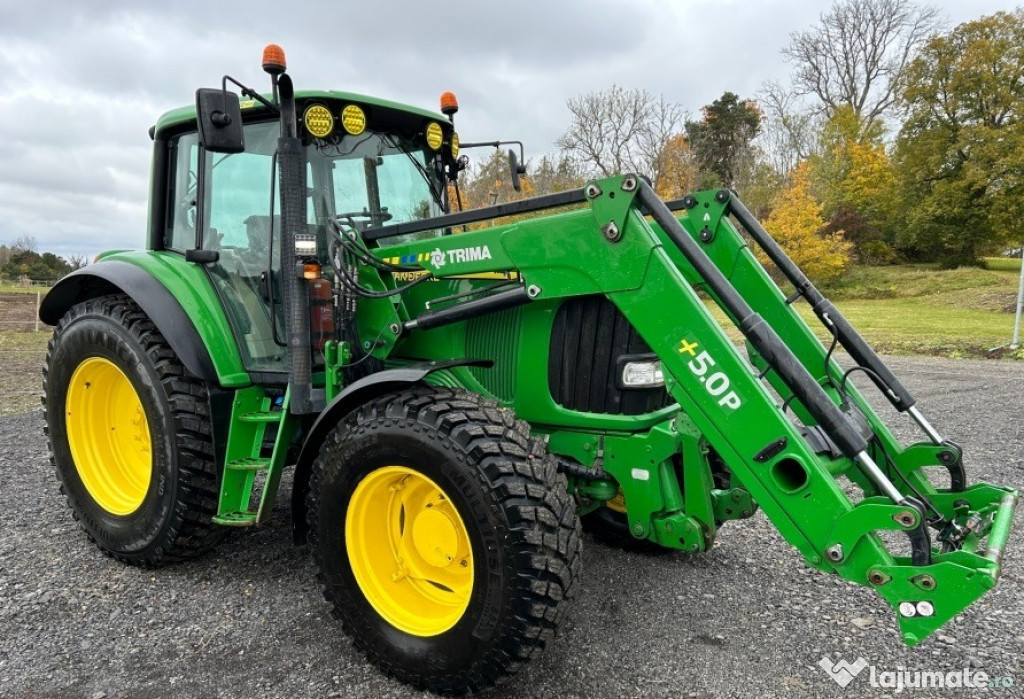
<point x="744" y="620"/>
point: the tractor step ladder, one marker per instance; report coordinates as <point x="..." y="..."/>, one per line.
<point x="245" y="457"/>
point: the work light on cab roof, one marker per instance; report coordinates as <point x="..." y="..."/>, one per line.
<point x="318" y="120"/>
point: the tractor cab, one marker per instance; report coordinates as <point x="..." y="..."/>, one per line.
<point x="367" y="162"/>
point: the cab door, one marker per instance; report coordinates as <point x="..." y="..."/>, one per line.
<point x="229" y="196"/>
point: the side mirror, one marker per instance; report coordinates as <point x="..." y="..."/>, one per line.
<point x="516" y="168"/>
<point x="220" y="120"/>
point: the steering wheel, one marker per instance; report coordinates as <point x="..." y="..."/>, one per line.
<point x="364" y="216"/>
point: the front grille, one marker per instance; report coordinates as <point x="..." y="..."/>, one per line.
<point x="587" y="339"/>
<point x="495" y="336"/>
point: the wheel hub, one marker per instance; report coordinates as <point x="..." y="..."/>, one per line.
<point x="435" y="537"/>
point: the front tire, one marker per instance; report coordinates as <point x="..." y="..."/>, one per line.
<point x="444" y="537"/>
<point x="129" y="435"/>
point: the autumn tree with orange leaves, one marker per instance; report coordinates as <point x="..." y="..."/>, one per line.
<point x="798" y="224"/>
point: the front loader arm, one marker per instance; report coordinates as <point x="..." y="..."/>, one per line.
<point x="648" y="269"/>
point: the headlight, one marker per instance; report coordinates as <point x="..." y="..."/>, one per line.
<point x="642" y="374"/>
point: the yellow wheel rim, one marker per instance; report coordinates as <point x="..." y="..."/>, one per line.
<point x="109" y="436"/>
<point x="409" y="551"/>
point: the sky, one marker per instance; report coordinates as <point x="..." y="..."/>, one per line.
<point x="82" y="82"/>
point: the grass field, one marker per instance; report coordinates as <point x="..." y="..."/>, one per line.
<point x="923" y="310"/>
<point x="21" y="367"/>
<point x="16" y="289"/>
<point x="920" y="309"/>
<point x="1004" y="264"/>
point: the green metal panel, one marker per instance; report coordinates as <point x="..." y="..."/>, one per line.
<point x="496" y="337"/>
<point x="189" y="284"/>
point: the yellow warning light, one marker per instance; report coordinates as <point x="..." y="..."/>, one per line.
<point x="435" y="137"/>
<point x="353" y="119"/>
<point x="319" y="120"/>
<point x="455" y="145"/>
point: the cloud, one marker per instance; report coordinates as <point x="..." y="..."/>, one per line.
<point x="78" y="95"/>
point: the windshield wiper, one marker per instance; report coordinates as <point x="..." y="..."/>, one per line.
<point x="420" y="167"/>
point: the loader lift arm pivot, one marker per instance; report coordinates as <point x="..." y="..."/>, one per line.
<point x="648" y="269"/>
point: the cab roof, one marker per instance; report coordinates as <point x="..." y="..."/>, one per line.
<point x="187" y="115"/>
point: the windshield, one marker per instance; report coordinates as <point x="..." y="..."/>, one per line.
<point x="364" y="181"/>
<point x="375" y="179"/>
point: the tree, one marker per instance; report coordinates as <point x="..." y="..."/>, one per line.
<point x="619" y="130"/>
<point x="854" y="179"/>
<point x="856" y="52"/>
<point x="489" y="182"/>
<point x="679" y="169"/>
<point x="789" y="132"/>
<point x="77" y="261"/>
<point x="796" y="221"/>
<point x="31" y="264"/>
<point x="25" y="243"/>
<point x="554" y="174"/>
<point x="721" y="140"/>
<point x="960" y="153"/>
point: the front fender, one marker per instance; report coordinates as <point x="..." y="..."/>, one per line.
<point x="177" y="297"/>
<point x="354" y="395"/>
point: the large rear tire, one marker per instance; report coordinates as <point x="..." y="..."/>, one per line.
<point x="129" y="435"/>
<point x="444" y="537"/>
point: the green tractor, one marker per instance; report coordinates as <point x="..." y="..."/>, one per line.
<point x="457" y="404"/>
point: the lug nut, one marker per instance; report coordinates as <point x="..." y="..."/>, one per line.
<point x="592" y="191"/>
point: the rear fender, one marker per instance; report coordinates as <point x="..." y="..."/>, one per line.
<point x="146" y="280"/>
